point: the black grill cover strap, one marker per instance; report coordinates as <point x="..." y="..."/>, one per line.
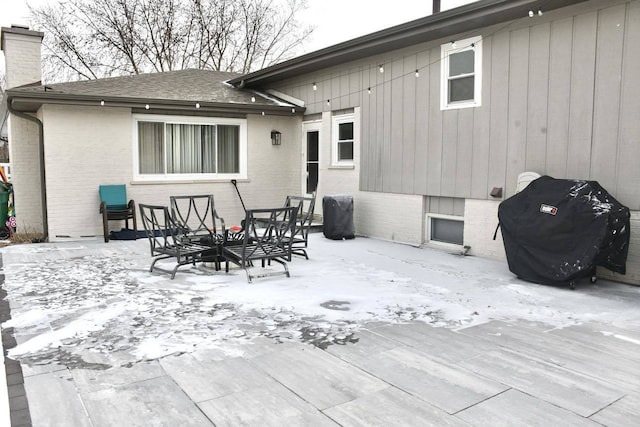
<point x="496" y="233"/>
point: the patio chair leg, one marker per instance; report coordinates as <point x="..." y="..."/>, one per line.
<point x="156" y="260"/>
<point x="135" y="224"/>
<point x="105" y="226"/>
<point x="284" y="264"/>
<point x="175" y="270"/>
<point x="301" y="252"/>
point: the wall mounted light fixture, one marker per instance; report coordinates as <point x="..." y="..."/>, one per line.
<point x="276" y="137"/>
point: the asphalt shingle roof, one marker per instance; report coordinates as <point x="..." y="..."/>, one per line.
<point x="183" y="85"/>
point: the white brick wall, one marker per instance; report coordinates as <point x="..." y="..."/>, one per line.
<point x="89" y="146"/>
<point x="480" y="221"/>
<point x="25" y="170"/>
<point x="23" y="66"/>
<point x="22" y="59"/>
<point x="395" y="217"/>
<point x="84" y="147"/>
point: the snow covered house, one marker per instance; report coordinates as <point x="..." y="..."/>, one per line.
<point x="427" y="124"/>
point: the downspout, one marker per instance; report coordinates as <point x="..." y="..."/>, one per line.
<point x="43" y="193"/>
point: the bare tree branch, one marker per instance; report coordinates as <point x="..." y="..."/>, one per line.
<point x="88" y="39"/>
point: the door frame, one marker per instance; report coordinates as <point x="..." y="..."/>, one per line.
<point x="310" y="126"/>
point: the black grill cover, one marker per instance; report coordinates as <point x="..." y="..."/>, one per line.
<point x="337" y="217"/>
<point x="558" y="230"/>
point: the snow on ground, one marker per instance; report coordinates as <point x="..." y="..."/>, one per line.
<point x="96" y="305"/>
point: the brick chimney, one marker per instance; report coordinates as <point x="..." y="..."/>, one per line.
<point x="22" y="57"/>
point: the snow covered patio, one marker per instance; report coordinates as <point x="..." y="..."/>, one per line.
<point x="366" y="332"/>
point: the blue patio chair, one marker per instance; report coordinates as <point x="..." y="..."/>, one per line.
<point x="115" y="207"/>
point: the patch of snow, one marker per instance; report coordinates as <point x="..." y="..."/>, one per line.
<point x="621" y="337"/>
<point x="101" y="299"/>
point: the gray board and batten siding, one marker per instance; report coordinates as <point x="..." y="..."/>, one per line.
<point x="560" y="96"/>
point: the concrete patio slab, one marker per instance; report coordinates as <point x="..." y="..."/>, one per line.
<point x="366" y="332"/>
<point x="91" y="380"/>
<point x="206" y="380"/>
<point x="624" y="412"/>
<point x="608" y="338"/>
<point x="514" y="407"/>
<point x="441" y="343"/>
<point x="577" y="392"/>
<point x="47" y="410"/>
<point x="158" y="401"/>
<point x="578" y="356"/>
<point x="334" y="381"/>
<point x="266" y="404"/>
<point x="444" y="386"/>
<point x="390" y="407"/>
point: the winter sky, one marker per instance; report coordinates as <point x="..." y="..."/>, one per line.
<point x="335" y="20"/>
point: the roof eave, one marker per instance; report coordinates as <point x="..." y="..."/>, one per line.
<point x="466" y="18"/>
<point x="32" y="101"/>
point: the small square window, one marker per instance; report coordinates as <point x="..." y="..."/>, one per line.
<point x="461" y="68"/>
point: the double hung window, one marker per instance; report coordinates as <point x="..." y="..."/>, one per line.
<point x="461" y="68"/>
<point x="343" y="139"/>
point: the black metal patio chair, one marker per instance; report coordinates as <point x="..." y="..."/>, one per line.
<point x="300" y="236"/>
<point x="167" y="239"/>
<point x="266" y="242"/>
<point x="198" y="219"/>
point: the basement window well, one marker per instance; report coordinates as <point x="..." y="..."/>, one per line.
<point x="445" y="229"/>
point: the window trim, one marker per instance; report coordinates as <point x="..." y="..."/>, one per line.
<point x="190" y="120"/>
<point x="473" y="43"/>
<point x="439" y="243"/>
<point x="336" y="122"/>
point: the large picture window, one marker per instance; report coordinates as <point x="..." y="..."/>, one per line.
<point x="193" y="148"/>
<point x="461" y="68"/>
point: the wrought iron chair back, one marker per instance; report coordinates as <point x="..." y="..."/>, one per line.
<point x="167" y="239"/>
<point x="265" y="242"/>
<point x="198" y="219"/>
<point x="197" y="215"/>
<point x="300" y="236"/>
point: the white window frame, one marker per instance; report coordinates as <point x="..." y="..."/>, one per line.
<point x="438" y="243"/>
<point x="475" y="44"/>
<point x="173" y="177"/>
<point x="337" y="121"/>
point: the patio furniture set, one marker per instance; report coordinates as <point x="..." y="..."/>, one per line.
<point x="190" y="231"/>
